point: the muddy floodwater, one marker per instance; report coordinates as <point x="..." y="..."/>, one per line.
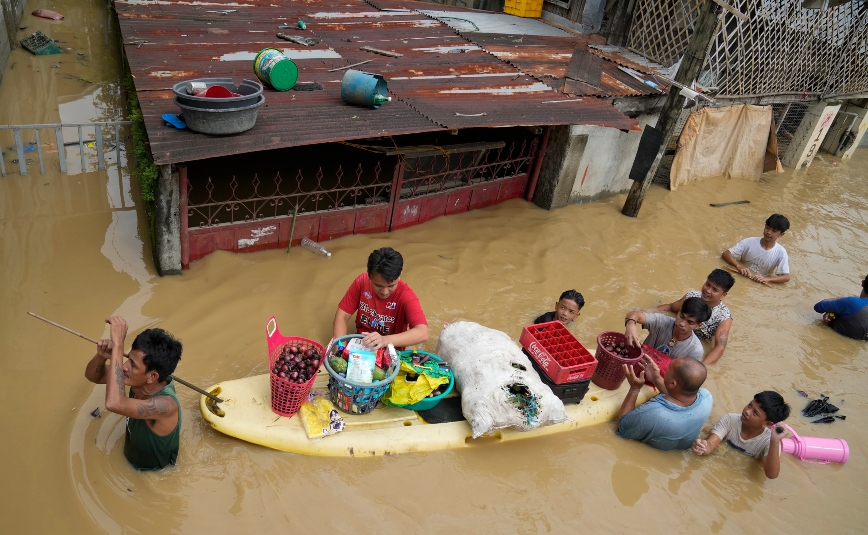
<point x="74" y="248"/>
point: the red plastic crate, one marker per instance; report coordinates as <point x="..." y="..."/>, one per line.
<point x="661" y="359"/>
<point x="563" y="358"/>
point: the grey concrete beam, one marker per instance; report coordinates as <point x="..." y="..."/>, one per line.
<point x="167" y="222"/>
<point x="559" y="168"/>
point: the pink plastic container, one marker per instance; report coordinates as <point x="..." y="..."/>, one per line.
<point x="816" y="450"/>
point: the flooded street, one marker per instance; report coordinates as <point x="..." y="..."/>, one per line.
<point x="75" y="249"/>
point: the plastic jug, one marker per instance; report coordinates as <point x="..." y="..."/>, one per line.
<point x="364" y="89"/>
<point x="816" y="450"/>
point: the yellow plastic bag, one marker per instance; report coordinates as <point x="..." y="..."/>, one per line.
<point x="320" y="418"/>
<point x="402" y="392"/>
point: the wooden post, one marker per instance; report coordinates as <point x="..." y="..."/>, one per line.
<point x="694" y="57"/>
<point x="620" y="22"/>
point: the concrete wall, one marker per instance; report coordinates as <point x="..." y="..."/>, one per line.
<point x="850" y="118"/>
<point x="607" y="160"/>
<point x="167" y="222"/>
<point x="810" y="134"/>
<point x="585" y="163"/>
<point x="10" y="17"/>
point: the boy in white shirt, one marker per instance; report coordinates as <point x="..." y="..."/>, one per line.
<point x="762" y="259"/>
<point x="750" y="432"/>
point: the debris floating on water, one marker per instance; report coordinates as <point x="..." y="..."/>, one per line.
<point x="95" y="413"/>
<point x="821" y="407"/>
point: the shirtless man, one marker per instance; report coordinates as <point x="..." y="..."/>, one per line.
<point x="153" y="413"/>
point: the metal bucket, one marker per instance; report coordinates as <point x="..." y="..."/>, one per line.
<point x="220" y="121"/>
<point x="248" y="89"/>
<point x="272" y="67"/>
<point x="363" y="88"/>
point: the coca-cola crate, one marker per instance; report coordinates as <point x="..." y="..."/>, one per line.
<point x="563" y="358"/>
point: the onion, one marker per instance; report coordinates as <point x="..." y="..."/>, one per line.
<point x="282" y="375"/>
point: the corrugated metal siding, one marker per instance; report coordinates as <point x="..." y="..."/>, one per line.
<point x="442" y="80"/>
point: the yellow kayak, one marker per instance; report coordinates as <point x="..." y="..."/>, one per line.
<point x="246" y="414"/>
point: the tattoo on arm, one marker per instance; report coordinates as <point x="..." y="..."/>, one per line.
<point x="100" y="370"/>
<point x="154" y="407"/>
<point x="723" y="338"/>
<point x="119" y="378"/>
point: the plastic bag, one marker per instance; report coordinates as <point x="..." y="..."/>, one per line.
<point x="402" y="392"/>
<point x="498" y="385"/>
<point x="320" y="418"/>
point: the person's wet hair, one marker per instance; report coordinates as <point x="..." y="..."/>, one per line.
<point x="573" y="295"/>
<point x="778" y="222"/>
<point x="722" y="279"/>
<point x="689" y="374"/>
<point x="865" y="284"/>
<point x="773" y="405"/>
<point x="387" y="262"/>
<point x="696" y="307"/>
<point x="162" y="351"/>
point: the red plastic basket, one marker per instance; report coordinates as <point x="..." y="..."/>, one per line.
<point x="286" y="396"/>
<point x="563" y="358"/>
<point x="660" y="358"/>
<point x="610" y="374"/>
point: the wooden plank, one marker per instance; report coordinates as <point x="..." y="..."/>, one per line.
<point x="208" y="241"/>
<point x="585" y="66"/>
<point x="420" y="151"/>
<point x="457" y="201"/>
<point x="372" y="220"/>
<point x="484" y="195"/>
<point x="511" y="188"/>
<point x="432" y="207"/>
<point x="381" y="52"/>
<point x="407" y="213"/>
<point x="336" y="225"/>
<point x="305" y="227"/>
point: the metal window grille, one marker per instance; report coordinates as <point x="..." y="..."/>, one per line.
<point x="213" y="201"/>
<point x="782" y="48"/>
<point x="434" y="174"/>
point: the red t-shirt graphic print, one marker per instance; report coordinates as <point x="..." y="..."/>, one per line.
<point x="401" y="311"/>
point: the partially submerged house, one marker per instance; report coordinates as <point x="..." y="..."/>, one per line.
<point x="473" y="97"/>
<point x="485" y="107"/>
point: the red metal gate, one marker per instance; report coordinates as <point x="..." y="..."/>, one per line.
<point x="427" y="182"/>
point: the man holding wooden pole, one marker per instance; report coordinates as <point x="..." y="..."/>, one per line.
<point x="691" y="64"/>
<point x="153" y="429"/>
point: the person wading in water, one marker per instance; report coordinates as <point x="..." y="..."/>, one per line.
<point x="152" y="409"/>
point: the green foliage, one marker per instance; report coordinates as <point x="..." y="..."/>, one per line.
<point x="146" y="171"/>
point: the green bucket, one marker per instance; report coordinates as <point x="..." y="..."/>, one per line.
<point x="272" y="67"/>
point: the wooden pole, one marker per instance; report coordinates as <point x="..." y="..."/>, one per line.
<point x="91" y="340"/>
<point x="694" y="57"/>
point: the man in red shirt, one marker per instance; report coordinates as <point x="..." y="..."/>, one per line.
<point x="388" y="309"/>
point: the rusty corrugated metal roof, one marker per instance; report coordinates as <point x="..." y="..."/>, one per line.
<point x="547" y="57"/>
<point x="441" y="81"/>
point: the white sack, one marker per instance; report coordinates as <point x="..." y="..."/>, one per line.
<point x="482" y="360"/>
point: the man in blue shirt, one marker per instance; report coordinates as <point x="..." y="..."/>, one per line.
<point x="673" y="419"/>
<point x="847" y="315"/>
